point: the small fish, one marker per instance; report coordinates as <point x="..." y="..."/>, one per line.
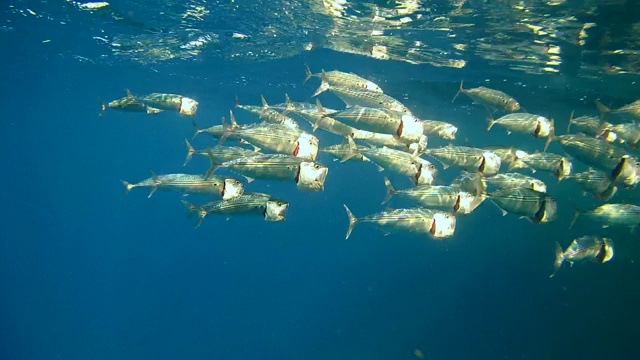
<point x="590" y="125"/>
<point x="448" y="198"/>
<point x="224" y="187"/>
<point x="272" y="209"/>
<point x="341" y="151"/>
<point x="366" y="98"/>
<point x="219" y="131"/>
<point x="290" y="106"/>
<point x="437" y="224"/>
<point x="512" y="157"/>
<point x="405" y="126"/>
<point x="219" y="154"/>
<point x="558" y="166"/>
<point x="439" y="129"/>
<point x="392" y="141"/>
<point x="469" y="159"/>
<point x="621" y="167"/>
<point x="591" y="248"/>
<point x="309" y="176"/>
<point x="183" y="105"/>
<point x="614" y="215"/>
<point x="473" y="183"/>
<point x="129" y="104"/>
<point x="535" y="125"/>
<point x="267" y="114"/>
<point x="535" y="206"/>
<point x="321" y="119"/>
<point x="490" y="98"/>
<point x="420" y="171"/>
<point x="516" y="180"/>
<point x="626" y="113"/>
<point x="595" y="182"/>
<point x="339" y="78"/>
<point x="277" y="138"/>
<point x="625" y="133"/>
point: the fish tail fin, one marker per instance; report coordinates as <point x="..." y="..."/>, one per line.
<point x="352" y="221"/>
<point x="460" y="90"/>
<point x="288" y="104"/>
<point x="491" y="121"/>
<point x="322" y="113"/>
<point x="213" y="166"/>
<point x="390" y="191"/>
<point x="479" y="185"/>
<point x="558" y="261"/>
<point x="570" y="122"/>
<point x="232" y="120"/>
<point x="576" y="213"/>
<point x="353" y="149"/>
<point x="190" y="152"/>
<point x="324" y="84"/>
<point x="308" y="74"/>
<point x="236" y="102"/>
<point x="602" y="108"/>
<point x="127" y="186"/>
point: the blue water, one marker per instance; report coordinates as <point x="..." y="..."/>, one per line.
<point x="87" y="272"/>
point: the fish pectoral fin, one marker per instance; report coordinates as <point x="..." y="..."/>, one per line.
<point x="249" y="179"/>
<point x="504" y="212"/>
<point x="380" y="168"/>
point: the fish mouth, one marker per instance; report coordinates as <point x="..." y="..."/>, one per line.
<point x="418" y="173"/>
<point x="483" y="164"/>
<point x="400" y="129"/>
<point x="296" y="150"/>
<point x="536" y="132"/>
<point x="433" y="229"/>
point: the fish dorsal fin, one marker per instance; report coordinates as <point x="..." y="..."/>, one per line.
<point x="129" y="95"/>
<point x="265" y="105"/>
<point x="232" y="119"/>
<point x="236" y="103"/>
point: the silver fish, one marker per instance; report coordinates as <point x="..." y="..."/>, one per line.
<point x="129" y="104"/>
<point x="535" y="206"/>
<point x="223" y="187"/>
<point x="388" y="140"/>
<point x="590" y="125"/>
<point x="405" y="126"/>
<point x="595" y="182"/>
<point x="309" y="176"/>
<point x="173" y="102"/>
<point x="277" y="138"/>
<point x="490" y="98"/>
<point x="591" y="248"/>
<point x="339" y="78"/>
<point x="516" y="180"/>
<point x="626" y="113"/>
<point x="267" y="114"/>
<point x="614" y="215"/>
<point x="420" y="171"/>
<point x="341" y="151"/>
<point x="272" y="209"/>
<point x="449" y="198"/>
<point x="439" y="129"/>
<point x="469" y="159"/>
<point x="321" y="119"/>
<point x="437" y="224"/>
<point x="218" y="154"/>
<point x="512" y="157"/>
<point x="366" y="98"/>
<point x="555" y="164"/>
<point x="535" y="125"/>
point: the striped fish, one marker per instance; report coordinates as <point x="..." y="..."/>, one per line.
<point x="265" y="205"/>
<point x="592" y="248"/>
<point x="614" y="215"/>
<point x="223" y="187"/>
<point x="537" y="207"/>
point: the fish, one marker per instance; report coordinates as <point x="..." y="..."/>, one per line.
<point x="219" y="131"/>
<point x="440" y="129"/>
<point x="321" y="119"/>
<point x="272" y="209"/>
<point x="308" y="175"/>
<point x="621" y="167"/>
<point x="591" y="248"/>
<point x="366" y="98"/>
<point x="267" y="114"/>
<point x="129" y="104"/>
<point x="341" y="151"/>
<point x="535" y="125"/>
<point x="511" y="156"/>
<point x="420" y="171"/>
<point x="614" y="215"/>
<point x="403" y="125"/>
<point x="592" y="126"/>
<point x="436" y="224"/>
<point x="469" y="159"/>
<point x="218" y="154"/>
<point x="277" y="138"/>
<point x="339" y="78"/>
<point x="625" y="133"/>
<point x="558" y="166"/>
<point x="537" y="207"/>
<point x="449" y="198"/>
<point x="516" y="180"/>
<point x="392" y="141"/>
<point x="224" y="187"/>
<point x="473" y="183"/>
<point x="626" y="113"/>
<point x="293" y="107"/>
<point x="173" y="102"/>
<point x="490" y="98"/>
<point x="595" y="182"/>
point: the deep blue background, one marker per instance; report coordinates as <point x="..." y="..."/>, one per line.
<point x="89" y="273"/>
